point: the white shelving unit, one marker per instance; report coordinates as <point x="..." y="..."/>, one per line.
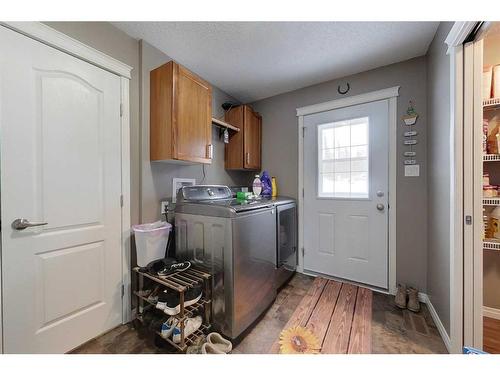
<point x="491" y="201"/>
<point x="490" y="104"/>
<point x="491" y="244"/>
<point x="491" y="157"/>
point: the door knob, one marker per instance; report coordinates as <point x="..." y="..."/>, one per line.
<point x="380" y="207"/>
<point x="21" y="224"/>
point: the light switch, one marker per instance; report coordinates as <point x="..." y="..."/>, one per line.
<point x="412" y="170"/>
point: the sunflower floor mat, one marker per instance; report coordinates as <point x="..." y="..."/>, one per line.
<point x="332" y="318"/>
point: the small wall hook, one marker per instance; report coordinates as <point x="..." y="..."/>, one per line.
<point x="343" y="92"/>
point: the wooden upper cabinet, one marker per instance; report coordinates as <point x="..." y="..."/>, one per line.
<point x="244" y="148"/>
<point x="181" y="115"/>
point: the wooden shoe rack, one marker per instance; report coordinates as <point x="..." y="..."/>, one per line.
<point x="178" y="282"/>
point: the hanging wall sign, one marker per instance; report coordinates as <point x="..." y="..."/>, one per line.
<point x="411" y="115"/>
<point x="409" y="119"/>
<point x="410" y="133"/>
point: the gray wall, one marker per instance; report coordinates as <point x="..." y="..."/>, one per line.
<point x="150" y="182"/>
<point x="280" y="156"/>
<point x="157" y="176"/>
<point x="438" y="157"/>
<point x="115" y="43"/>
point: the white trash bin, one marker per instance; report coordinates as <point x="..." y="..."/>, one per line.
<point x="151" y="241"/>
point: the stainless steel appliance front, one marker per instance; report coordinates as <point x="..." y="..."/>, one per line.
<point x="240" y="248"/>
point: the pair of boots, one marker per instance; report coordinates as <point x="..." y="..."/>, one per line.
<point x="407" y="298"/>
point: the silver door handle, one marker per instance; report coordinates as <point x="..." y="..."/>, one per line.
<point x="21" y="224"/>
<point x="380" y="207"/>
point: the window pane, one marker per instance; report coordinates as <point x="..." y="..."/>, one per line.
<point x="360" y="165"/>
<point x="359" y="184"/>
<point x="343" y="163"/>
<point x="328" y="154"/>
<point x="327" y="138"/>
<point x="327" y="167"/>
<point x="359" y="134"/>
<point x="328" y="183"/>
<point x="359" y="152"/>
<point x="342" y="153"/>
<point x="342" y="136"/>
<point x="342" y="166"/>
<point x="342" y="184"/>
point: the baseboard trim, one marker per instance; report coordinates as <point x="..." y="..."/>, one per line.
<point x="491" y="312"/>
<point x="435" y="317"/>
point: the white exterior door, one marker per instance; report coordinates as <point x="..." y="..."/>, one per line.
<point x="60" y="165"/>
<point x="346" y="179"/>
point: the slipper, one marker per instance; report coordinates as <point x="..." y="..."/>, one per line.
<point x="220" y="343"/>
<point x="208" y="348"/>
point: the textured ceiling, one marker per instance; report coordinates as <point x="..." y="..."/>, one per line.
<point x="255" y="60"/>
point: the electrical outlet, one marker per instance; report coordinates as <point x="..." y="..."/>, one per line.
<point x="163" y="207"/>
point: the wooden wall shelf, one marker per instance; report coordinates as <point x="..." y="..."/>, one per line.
<point x="224" y="124"/>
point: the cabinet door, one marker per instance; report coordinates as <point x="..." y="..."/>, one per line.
<point x="252" y="141"/>
<point x="192" y="117"/>
<point x="234" y="153"/>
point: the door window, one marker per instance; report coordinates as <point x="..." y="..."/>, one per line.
<point x="343" y="163"/>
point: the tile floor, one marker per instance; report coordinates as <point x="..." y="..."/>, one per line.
<point x="393" y="330"/>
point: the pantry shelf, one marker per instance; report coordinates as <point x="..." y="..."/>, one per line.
<point x="491" y="201"/>
<point x="491" y="157"/>
<point x="490" y="244"/>
<point x="491" y="104"/>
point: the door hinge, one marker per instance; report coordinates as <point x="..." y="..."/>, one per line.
<point x="468" y="219"/>
<point x="123" y="290"/>
<point x="303" y="194"/>
<point x="121" y="200"/>
<point x="121" y="109"/>
<point x="303" y="131"/>
<point x="303" y="251"/>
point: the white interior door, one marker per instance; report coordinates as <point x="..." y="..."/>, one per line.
<point x="346" y="178"/>
<point x="60" y="165"/>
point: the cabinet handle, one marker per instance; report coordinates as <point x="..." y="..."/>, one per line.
<point x="210" y="151"/>
<point x="248" y="157"/>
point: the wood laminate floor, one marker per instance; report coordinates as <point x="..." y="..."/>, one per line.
<point x="491" y="335"/>
<point x="392" y="330"/>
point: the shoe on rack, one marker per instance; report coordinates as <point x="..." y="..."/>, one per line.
<point x="170" y="327"/>
<point x="152" y="297"/>
<point x="196" y="347"/>
<point x="208" y="348"/>
<point x="401" y="295"/>
<point x="174" y="267"/>
<point x="191" y="325"/>
<point x="156" y="322"/>
<point x="413" y="303"/>
<point x="157" y="265"/>
<point x="171" y="300"/>
<point x="220" y="343"/>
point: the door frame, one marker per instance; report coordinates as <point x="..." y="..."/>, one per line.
<point x="62" y="42"/>
<point x="391" y="94"/>
<point x="461" y="236"/>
